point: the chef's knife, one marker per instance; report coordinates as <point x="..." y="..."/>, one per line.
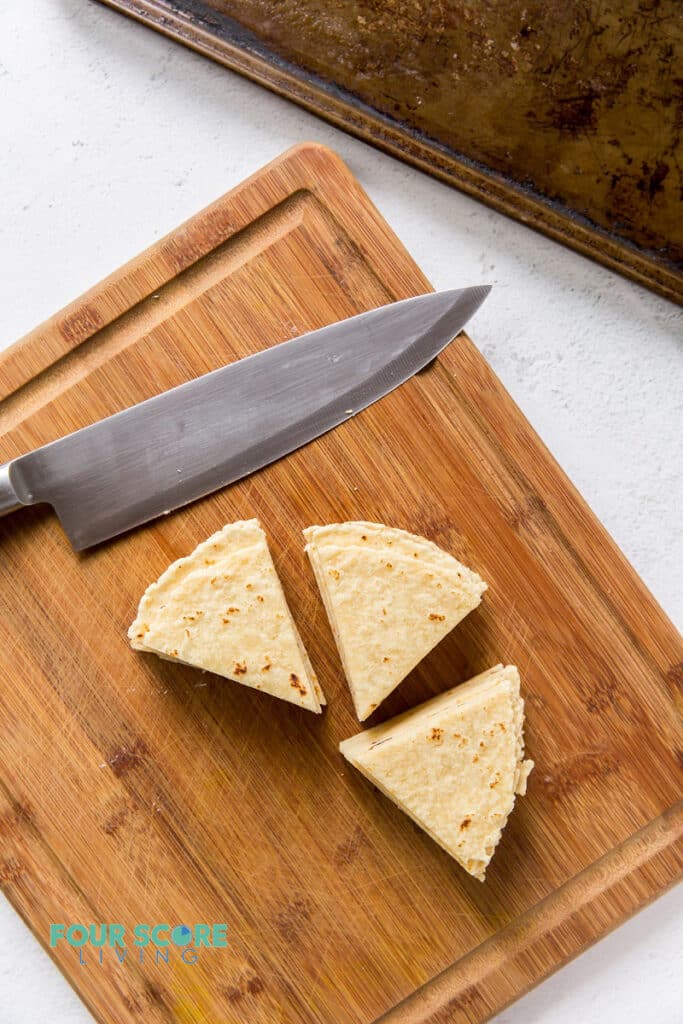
<point x="209" y="432"/>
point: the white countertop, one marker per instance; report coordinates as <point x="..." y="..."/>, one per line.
<point x="113" y="135"/>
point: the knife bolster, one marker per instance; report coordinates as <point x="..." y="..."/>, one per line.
<point x="9" y="499"/>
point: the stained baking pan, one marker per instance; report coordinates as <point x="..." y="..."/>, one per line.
<point x="566" y="116"/>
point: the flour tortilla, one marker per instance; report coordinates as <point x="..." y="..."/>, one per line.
<point x="223" y="609"/>
<point x="390" y="598"/>
<point x="454" y="764"/>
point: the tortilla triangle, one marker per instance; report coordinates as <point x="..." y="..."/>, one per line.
<point x="390" y="598"/>
<point x="223" y="609"/>
<point x="454" y="764"/>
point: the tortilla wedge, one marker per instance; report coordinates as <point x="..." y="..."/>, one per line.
<point x="390" y="598"/>
<point x="454" y="764"/>
<point x="223" y="609"/>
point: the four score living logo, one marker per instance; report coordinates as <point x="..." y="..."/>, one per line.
<point x="156" y="942"/>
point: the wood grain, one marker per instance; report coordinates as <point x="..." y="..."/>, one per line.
<point x="134" y="790"/>
<point x="564" y="116"/>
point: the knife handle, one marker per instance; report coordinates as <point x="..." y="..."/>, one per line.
<point x="9" y="499"/>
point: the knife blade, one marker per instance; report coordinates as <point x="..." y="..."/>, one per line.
<point x="187" y="442"/>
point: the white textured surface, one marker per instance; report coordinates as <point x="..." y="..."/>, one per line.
<point x="112" y="136"/>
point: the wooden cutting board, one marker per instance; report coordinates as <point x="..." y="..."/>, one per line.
<point x="133" y="790"/>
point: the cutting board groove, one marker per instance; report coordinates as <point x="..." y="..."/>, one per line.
<point x="133" y="790"/>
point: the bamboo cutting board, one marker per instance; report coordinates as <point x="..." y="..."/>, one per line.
<point x="133" y="790"/>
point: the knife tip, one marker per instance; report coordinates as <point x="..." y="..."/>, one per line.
<point x="467" y="300"/>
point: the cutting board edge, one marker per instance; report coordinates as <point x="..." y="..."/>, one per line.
<point x="623" y="875"/>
